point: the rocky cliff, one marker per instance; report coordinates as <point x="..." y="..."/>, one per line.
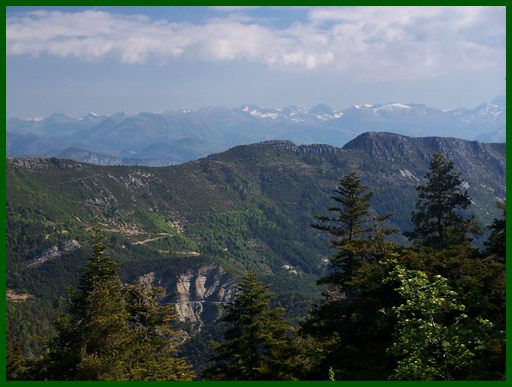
<point x="290" y="146"/>
<point x="199" y="294"/>
<point x="475" y="160"/>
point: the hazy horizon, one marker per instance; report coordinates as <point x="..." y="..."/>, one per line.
<point x="334" y="108"/>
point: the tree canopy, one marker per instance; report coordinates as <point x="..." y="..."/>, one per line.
<point x="438" y="222"/>
<point x="256" y="345"/>
<point x="111" y="331"/>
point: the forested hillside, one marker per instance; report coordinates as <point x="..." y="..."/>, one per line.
<point x="195" y="228"/>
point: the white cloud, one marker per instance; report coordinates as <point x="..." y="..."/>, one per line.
<point x="390" y="41"/>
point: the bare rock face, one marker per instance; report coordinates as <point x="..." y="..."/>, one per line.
<point x="290" y="146"/>
<point x="15" y="296"/>
<point x="146" y="281"/>
<point x="199" y="294"/>
<point x="279" y="144"/>
<point x="35" y="163"/>
<point x="53" y="252"/>
<point x="317" y="149"/>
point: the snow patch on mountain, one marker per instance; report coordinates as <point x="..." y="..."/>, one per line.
<point x="271" y="115"/>
<point x="394" y="106"/>
<point x="365" y="106"/>
<point x="328" y="117"/>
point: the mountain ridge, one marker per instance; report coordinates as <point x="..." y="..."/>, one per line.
<point x="213" y="129"/>
<point x="384" y="145"/>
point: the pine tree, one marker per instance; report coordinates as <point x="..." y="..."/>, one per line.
<point x="346" y="323"/>
<point x="113" y="331"/>
<point x="350" y="227"/>
<point x="155" y="341"/>
<point x="352" y="215"/>
<point x="497" y="238"/>
<point x="93" y="340"/>
<point x="437" y="220"/>
<point x="257" y="344"/>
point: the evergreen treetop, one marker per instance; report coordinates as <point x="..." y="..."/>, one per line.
<point x="350" y="220"/>
<point x="346" y="323"/>
<point x="437" y="219"/>
<point x="93" y="339"/>
<point x="112" y="331"/>
<point x="352" y="228"/>
<point x="155" y="342"/>
<point x="257" y="344"/>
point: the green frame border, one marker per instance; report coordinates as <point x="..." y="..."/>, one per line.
<point x="508" y="183"/>
<point x="3" y="182"/>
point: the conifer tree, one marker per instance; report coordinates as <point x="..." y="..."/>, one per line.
<point x="93" y="339"/>
<point x="351" y="216"/>
<point x="437" y="220"/>
<point x="346" y="323"/>
<point x="155" y="341"/>
<point x="350" y="227"/>
<point x="257" y="344"/>
<point x="113" y="331"/>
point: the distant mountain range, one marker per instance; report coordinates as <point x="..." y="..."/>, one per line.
<point x="173" y="137"/>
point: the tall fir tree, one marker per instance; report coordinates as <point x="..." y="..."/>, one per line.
<point x="93" y="339"/>
<point x="346" y="323"/>
<point x="350" y="226"/>
<point x="155" y="343"/>
<point x="112" y="331"/>
<point x="437" y="220"/>
<point x="257" y="343"/>
<point x="442" y="237"/>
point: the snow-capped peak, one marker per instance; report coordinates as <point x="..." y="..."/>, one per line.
<point x="262" y="112"/>
<point x="88" y="115"/>
<point x="256" y="113"/>
<point x="364" y="106"/>
<point x="394" y="106"/>
<point x="328" y="117"/>
<point x="489" y="109"/>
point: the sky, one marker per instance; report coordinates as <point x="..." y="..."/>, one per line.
<point x="75" y="60"/>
